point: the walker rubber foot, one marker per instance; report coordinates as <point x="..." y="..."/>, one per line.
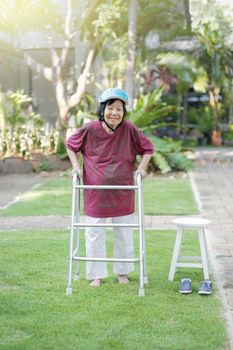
<point x="69" y="291"/>
<point x="76" y="276"/>
<point x="141" y="292"/>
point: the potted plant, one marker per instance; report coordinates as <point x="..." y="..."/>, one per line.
<point x="216" y="137"/>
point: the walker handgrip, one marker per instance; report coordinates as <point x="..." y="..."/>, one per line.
<point x="75" y="173"/>
<point x="76" y="178"/>
<point x="138" y="177"/>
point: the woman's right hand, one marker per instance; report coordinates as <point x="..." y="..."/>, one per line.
<point x="75" y="163"/>
<point x="77" y="171"/>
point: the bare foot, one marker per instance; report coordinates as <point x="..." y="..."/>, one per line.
<point x="95" y="283"/>
<point x="123" y="279"/>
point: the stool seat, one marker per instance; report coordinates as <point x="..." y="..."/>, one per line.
<point x="177" y="260"/>
<point x="191" y="222"/>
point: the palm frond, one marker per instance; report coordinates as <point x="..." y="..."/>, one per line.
<point x="160" y="161"/>
<point x="179" y="161"/>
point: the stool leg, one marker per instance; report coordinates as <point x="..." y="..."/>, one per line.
<point x="203" y="252"/>
<point x="176" y="253"/>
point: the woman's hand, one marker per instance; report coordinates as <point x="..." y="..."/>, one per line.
<point x="140" y="171"/>
<point x="74" y="158"/>
<point x="143" y="164"/>
<point x="77" y="171"/>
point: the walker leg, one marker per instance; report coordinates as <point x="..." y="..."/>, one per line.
<point x="69" y="291"/>
<point x="141" y="238"/>
<point x="145" y="276"/>
<point x="69" y="286"/>
<point x="77" y="219"/>
<point x="141" y="292"/>
<point x="141" y="287"/>
<point x="77" y="272"/>
<point x="76" y="276"/>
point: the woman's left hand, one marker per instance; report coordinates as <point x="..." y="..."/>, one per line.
<point x="140" y="171"/>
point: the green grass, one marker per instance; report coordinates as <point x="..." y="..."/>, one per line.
<point x="165" y="196"/>
<point x="162" y="196"/>
<point x="36" y="314"/>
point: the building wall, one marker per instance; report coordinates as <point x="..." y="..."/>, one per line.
<point x="16" y="75"/>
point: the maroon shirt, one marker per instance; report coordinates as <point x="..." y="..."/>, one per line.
<point x="108" y="159"/>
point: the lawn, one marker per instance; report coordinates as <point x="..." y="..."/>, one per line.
<point x="35" y="312"/>
<point x="162" y="196"/>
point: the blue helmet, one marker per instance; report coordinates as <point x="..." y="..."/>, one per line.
<point x="114" y="93"/>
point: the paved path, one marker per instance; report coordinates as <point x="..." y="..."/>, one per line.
<point x="12" y="185"/>
<point x="63" y="222"/>
<point x="212" y="182"/>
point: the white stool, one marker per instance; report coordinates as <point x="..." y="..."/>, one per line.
<point x="182" y="224"/>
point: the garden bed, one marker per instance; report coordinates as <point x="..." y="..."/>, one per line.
<point x="37" y="162"/>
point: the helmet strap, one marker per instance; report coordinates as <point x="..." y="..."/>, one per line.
<point x="110" y="126"/>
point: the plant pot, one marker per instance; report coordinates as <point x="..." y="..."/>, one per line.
<point x="216" y="138"/>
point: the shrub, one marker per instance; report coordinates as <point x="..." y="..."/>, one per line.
<point x="23" y="131"/>
<point x="150" y="114"/>
<point x="169" y="155"/>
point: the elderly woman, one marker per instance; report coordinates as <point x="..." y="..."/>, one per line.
<point x="109" y="148"/>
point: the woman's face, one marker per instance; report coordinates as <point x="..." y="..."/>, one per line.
<point x="113" y="114"/>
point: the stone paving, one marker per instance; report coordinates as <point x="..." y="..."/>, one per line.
<point x="12" y="185"/>
<point x="63" y="222"/>
<point x="212" y="182"/>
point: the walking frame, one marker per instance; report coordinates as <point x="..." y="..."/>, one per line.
<point x="75" y="223"/>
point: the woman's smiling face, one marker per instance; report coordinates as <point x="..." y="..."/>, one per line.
<point x="113" y="113"/>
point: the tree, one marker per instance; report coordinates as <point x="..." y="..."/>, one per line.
<point x="160" y="21"/>
<point x="102" y="25"/>
<point x="92" y="28"/>
<point x="213" y="30"/>
<point x="216" y="58"/>
<point x="188" y="19"/>
<point x="183" y="72"/>
<point x="132" y="25"/>
<point x="138" y="18"/>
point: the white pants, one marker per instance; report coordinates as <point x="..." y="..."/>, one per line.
<point x="96" y="247"/>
